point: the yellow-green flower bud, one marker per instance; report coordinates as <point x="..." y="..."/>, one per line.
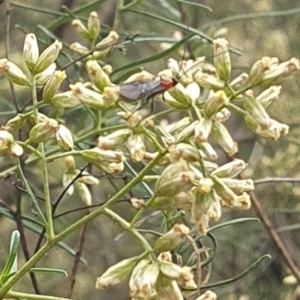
<point x="223" y="138"/>
<point x="202" y="130"/>
<point x="239" y="82"/>
<point x="215" y="103"/>
<point x="238" y="185"/>
<point x="43" y="77"/>
<point x="280" y="71"/>
<point x="269" y="95"/>
<point x="13" y="73"/>
<point x="43" y="131"/>
<point x="208" y="150"/>
<point x="171" y="239"/>
<point x="6" y="140"/>
<point x="275" y="130"/>
<point x="222" y="59"/>
<point x="231" y="169"/>
<point x="184" y="151"/>
<point x="108" y="41"/>
<point x="83" y="193"/>
<point x="98" y="77"/>
<point x="52" y="85"/>
<point x="15" y="123"/>
<point x="177" y="126"/>
<point x="256" y="110"/>
<point x="93" y="25"/>
<point x="170" y="270"/>
<point x="209" y="81"/>
<point x="88" y="97"/>
<point x="65" y="100"/>
<point x="30" y="51"/>
<point x="81" y="30"/>
<point x="110" y="94"/>
<point x="115" y="140"/>
<point x="47" y="57"/>
<point x="80" y="49"/>
<point x="175" y="178"/>
<point x="169" y="287"/>
<point x="179" y="93"/>
<point x="116" y="273"/>
<point x="260" y="67"/>
<point x="70" y="164"/>
<point x="107" y="160"/>
<point x="143" y="279"/>
<point x="64" y="138"/>
<point x="136" y="147"/>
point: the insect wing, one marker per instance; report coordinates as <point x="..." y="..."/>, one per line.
<point x="137" y="90"/>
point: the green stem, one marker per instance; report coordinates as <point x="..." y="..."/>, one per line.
<point x="109" y="213"/>
<point x="48" y="205"/>
<point x="16" y="295"/>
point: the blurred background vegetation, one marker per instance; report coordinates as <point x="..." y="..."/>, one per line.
<point x="256" y="28"/>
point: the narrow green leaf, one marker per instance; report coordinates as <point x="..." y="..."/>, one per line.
<point x="198" y="5"/>
<point x="233" y="222"/>
<point x="154" y="57"/>
<point x="174" y="23"/>
<point x="11" y="263"/>
<point x="49" y="270"/>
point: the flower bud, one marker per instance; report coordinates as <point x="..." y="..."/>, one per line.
<point x="30" y="51"/>
<point x="179" y="93"/>
<point x="170" y="270"/>
<point x="83" y="193"/>
<point x="209" y="81"/>
<point x="16" y="150"/>
<point x="52" y="85"/>
<point x="171" y="239"/>
<point x="116" y="273"/>
<point x="186" y="280"/>
<point x="47" y="57"/>
<point x="13" y="73"/>
<point x="44" y="76"/>
<point x="239" y="82"/>
<point x="99" y="78"/>
<point x="260" y="67"/>
<point x="15" y="123"/>
<point x="107" y="160"/>
<point x="6" y="140"/>
<point x="231" y="169"/>
<point x="175" y="178"/>
<point x="222" y="59"/>
<point x="110" y="94"/>
<point x="238" y="185"/>
<point x="169" y="287"/>
<point x="215" y="103"/>
<point x="275" y="130"/>
<point x="208" y="151"/>
<point x="81" y="30"/>
<point x="88" y="97"/>
<point x="193" y="92"/>
<point x="80" y="49"/>
<point x="269" y="95"/>
<point x="202" y="130"/>
<point x="88" y="179"/>
<point x="136" y="147"/>
<point x="64" y="138"/>
<point x="93" y="25"/>
<point x="65" y="100"/>
<point x="109" y="40"/>
<point x="208" y="295"/>
<point x="177" y="126"/>
<point x="143" y="279"/>
<point x="43" y="131"/>
<point x="280" y="71"/>
<point x="256" y="110"/>
<point x="115" y="140"/>
<point x="223" y="138"/>
<point x="223" y="115"/>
